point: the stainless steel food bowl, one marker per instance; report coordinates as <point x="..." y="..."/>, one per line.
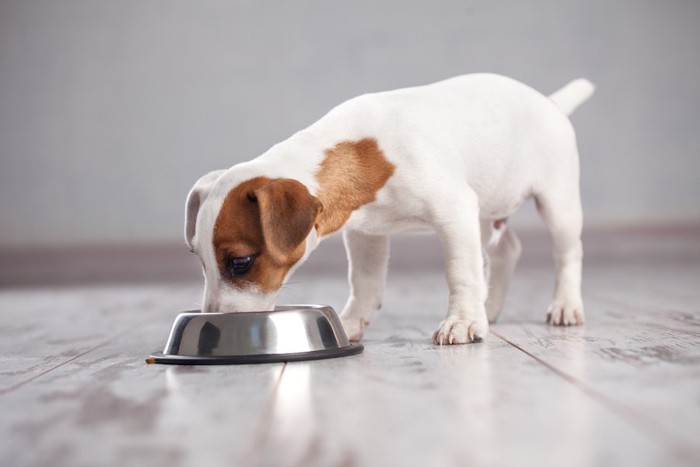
<point x="290" y="333"/>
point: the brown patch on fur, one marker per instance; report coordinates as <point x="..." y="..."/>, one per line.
<point x="349" y="177"/>
<point x="269" y="218"/>
<point x="498" y="224"/>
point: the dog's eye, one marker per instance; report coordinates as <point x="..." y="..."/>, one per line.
<point x="239" y="265"/>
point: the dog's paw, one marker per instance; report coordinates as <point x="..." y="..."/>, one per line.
<point x="354" y="327"/>
<point x="460" y="331"/>
<point x="563" y="313"/>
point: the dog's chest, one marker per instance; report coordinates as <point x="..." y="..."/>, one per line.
<point x="387" y="219"/>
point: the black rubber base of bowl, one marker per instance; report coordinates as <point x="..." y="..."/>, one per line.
<point x="159" y="357"/>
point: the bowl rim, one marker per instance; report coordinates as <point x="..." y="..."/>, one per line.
<point x="278" y="309"/>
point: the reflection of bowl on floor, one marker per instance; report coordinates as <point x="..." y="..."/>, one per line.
<point x="290" y="333"/>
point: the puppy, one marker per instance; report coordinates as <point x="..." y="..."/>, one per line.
<point x="456" y="157"/>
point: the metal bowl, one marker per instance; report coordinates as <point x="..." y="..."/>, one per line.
<point x="289" y="333"/>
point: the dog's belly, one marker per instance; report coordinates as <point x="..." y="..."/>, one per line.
<point x="501" y="206"/>
<point x="404" y="216"/>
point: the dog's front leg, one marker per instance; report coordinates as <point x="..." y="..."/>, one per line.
<point x="458" y="227"/>
<point x="368" y="257"/>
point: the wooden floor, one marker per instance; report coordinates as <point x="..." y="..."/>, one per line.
<point x="624" y="390"/>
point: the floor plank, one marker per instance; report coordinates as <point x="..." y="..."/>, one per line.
<point x="407" y="402"/>
<point x="109" y="407"/>
<point x="43" y="329"/>
<point x="634" y="372"/>
<point x="639" y="352"/>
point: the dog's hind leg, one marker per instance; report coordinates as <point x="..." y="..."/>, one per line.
<point x="368" y="257"/>
<point x="561" y="211"/>
<point x="503" y="250"/>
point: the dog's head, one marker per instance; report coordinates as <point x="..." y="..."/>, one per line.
<point x="250" y="235"/>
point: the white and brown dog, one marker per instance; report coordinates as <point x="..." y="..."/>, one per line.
<point x="456" y="157"/>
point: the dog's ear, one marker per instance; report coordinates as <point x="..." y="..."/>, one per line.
<point x="195" y="198"/>
<point x="287" y="214"/>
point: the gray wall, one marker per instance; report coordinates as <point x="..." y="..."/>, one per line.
<point x="109" y="110"/>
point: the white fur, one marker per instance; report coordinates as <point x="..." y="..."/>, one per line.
<point x="468" y="151"/>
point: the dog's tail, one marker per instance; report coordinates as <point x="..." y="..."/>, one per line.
<point x="572" y="95"/>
